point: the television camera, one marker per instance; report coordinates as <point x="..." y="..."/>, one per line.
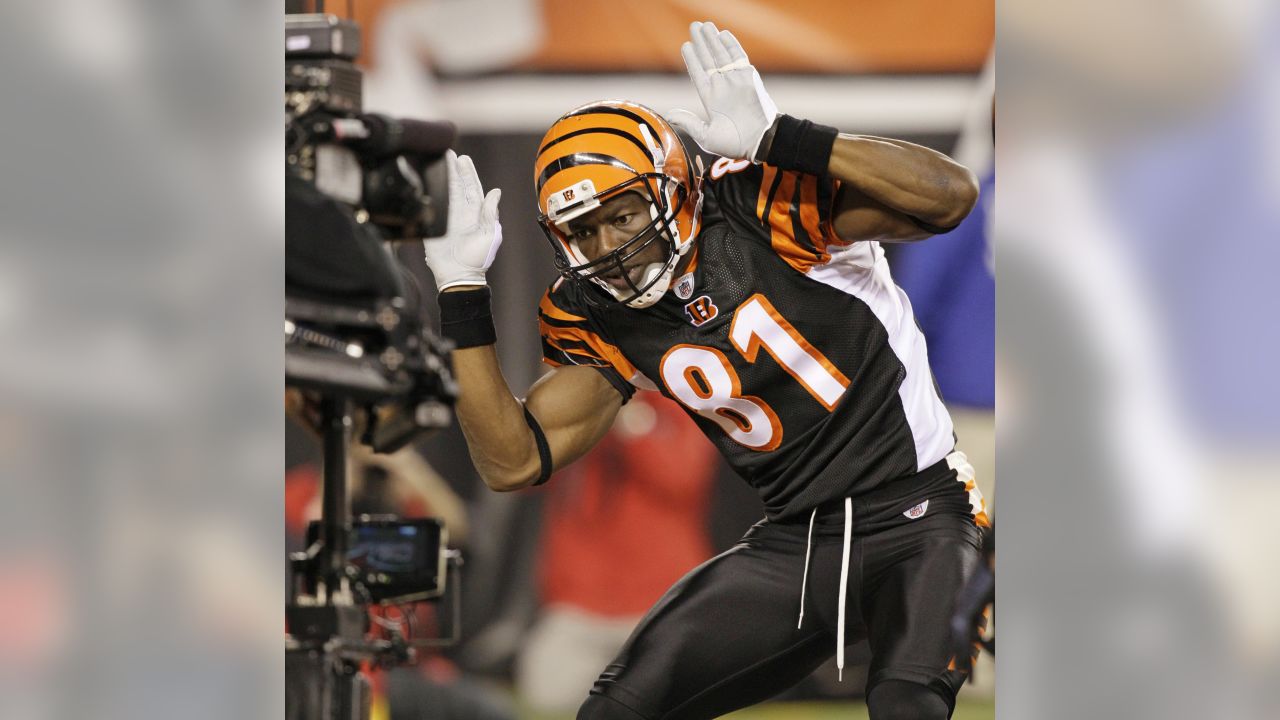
<point x="357" y="351"/>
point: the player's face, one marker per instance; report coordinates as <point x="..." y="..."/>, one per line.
<point x="609" y="227"/>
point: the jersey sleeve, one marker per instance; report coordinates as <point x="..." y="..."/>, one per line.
<point x="568" y="338"/>
<point x="790" y="211"/>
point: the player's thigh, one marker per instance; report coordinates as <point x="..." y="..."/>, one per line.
<point x="913" y="574"/>
<point x="722" y="638"/>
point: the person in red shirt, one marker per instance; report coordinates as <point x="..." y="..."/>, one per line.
<point x="620" y="527"/>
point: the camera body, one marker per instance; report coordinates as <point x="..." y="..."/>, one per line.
<point x="354" y="182"/>
<point x="357" y="350"/>
<point x="391" y="170"/>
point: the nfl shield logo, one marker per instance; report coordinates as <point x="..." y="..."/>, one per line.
<point x="684" y="286"/>
<point x="568" y="195"/>
<point x="917" y="511"/>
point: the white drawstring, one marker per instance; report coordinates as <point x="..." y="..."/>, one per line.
<point x="958" y="462"/>
<point x="844" y="579"/>
<point x="808" y="546"/>
<point x="844" y="586"/>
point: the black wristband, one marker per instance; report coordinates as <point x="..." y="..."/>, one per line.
<point x="465" y="318"/>
<point x="801" y="145"/>
<point x="544" y="450"/>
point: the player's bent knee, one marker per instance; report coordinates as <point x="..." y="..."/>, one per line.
<point x="599" y="707"/>
<point x="903" y="700"/>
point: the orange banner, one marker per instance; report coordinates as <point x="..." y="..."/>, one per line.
<point x="799" y="36"/>
<point x="781" y="35"/>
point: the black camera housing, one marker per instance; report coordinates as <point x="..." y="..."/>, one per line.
<point x="353" y="182"/>
<point x="390" y="171"/>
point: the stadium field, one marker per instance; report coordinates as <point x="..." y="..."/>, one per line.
<point x="965" y="710"/>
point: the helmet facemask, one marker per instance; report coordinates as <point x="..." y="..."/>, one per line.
<point x="664" y="206"/>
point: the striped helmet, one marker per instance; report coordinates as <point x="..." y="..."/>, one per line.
<point x="597" y="152"/>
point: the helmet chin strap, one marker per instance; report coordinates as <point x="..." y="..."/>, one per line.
<point x="660" y="273"/>
<point x="650" y="296"/>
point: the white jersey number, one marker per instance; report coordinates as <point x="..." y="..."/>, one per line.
<point x="703" y="380"/>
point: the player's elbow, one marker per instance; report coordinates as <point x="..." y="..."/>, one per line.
<point x="513" y="476"/>
<point x="506" y="481"/>
<point x="505" y="484"/>
<point x="962" y="196"/>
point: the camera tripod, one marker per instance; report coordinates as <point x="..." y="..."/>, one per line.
<point x="325" y="645"/>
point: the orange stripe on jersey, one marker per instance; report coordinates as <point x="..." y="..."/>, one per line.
<point x="766" y="182"/>
<point x="549" y="308"/>
<point x="693" y="259"/>
<point x="782" y="229"/>
<point x="809" y="217"/>
<point x="604" y="351"/>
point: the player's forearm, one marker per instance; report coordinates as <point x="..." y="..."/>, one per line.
<point x="498" y="437"/>
<point x="911" y="179"/>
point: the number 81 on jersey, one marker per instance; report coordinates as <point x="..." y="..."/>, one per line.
<point x="702" y="379"/>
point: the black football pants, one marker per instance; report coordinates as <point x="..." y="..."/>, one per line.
<point x="726" y="637"/>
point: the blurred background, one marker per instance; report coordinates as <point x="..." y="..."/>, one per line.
<point x="556" y="577"/>
<point x="141" y="265"/>
<point x="1137" y="436"/>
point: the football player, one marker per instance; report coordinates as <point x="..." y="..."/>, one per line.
<point x="756" y="294"/>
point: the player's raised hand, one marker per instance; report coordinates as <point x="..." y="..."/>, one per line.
<point x="738" y="111"/>
<point x="469" y="245"/>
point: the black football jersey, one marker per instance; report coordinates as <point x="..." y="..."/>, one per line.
<point x="794" y="352"/>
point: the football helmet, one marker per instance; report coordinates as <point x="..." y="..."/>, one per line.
<point x="597" y="152"/>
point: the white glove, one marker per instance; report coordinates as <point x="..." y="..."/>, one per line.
<point x="738" y="108"/>
<point x="474" y="234"/>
